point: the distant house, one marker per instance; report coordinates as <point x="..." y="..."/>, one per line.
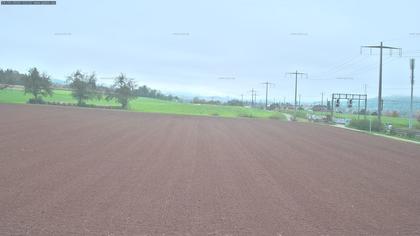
<point x="288" y="106"/>
<point x="281" y="106"/>
<point x="320" y="108"/>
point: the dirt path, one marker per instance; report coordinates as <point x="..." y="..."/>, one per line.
<point x="69" y="171"/>
<point x="288" y="116"/>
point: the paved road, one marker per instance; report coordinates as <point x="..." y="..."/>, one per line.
<point x="69" y="171"/>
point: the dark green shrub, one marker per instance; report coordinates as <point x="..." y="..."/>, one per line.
<point x="301" y="114"/>
<point x="277" y="116"/>
<point x="247" y="115"/>
<point x="329" y="117"/>
<point x="392" y="132"/>
<point x="37" y="100"/>
<point x="411" y="134"/>
<point x="364" y="125"/>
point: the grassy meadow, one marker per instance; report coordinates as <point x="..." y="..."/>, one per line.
<point x="17" y="96"/>
<point x="398" y="122"/>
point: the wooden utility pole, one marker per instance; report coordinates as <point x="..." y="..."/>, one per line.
<point x="253" y="94"/>
<point x="299" y="99"/>
<point x="296" y="84"/>
<point x="266" y="92"/>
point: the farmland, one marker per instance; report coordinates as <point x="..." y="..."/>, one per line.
<point x="209" y="118"/>
<point x="76" y="171"/>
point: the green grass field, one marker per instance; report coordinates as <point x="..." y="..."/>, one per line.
<point x="398" y="122"/>
<point x="16" y="96"/>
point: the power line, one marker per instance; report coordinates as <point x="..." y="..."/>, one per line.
<point x="359" y="68"/>
<point x="337" y="66"/>
<point x="341" y="67"/>
<point x="400" y="88"/>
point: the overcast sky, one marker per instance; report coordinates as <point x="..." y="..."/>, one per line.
<point x="218" y="47"/>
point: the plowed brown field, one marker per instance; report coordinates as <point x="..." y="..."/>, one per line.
<point x="70" y="171"/>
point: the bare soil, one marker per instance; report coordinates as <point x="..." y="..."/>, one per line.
<point x="71" y="171"/>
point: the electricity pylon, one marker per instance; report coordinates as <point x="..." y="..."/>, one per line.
<point x="266" y="92"/>
<point x="381" y="47"/>
<point x="296" y="84"/>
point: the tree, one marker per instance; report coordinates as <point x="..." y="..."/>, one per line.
<point x="144" y="91"/>
<point x="418" y="116"/>
<point x="395" y="114"/>
<point x="11" y="77"/>
<point x="37" y="84"/>
<point x="123" y="90"/>
<point x="235" y="102"/>
<point x="83" y="86"/>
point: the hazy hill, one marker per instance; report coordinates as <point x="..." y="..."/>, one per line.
<point x="395" y="103"/>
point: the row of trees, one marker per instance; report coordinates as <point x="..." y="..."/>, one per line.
<point x="197" y="100"/>
<point x="83" y="87"/>
<point x="232" y="102"/>
<point x="144" y="91"/>
<point x="11" y="77"/>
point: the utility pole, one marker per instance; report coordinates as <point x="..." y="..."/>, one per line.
<point x="242" y="99"/>
<point x="412" y="61"/>
<point x="322" y="98"/>
<point x="299" y="99"/>
<point x="253" y="93"/>
<point x="266" y="92"/>
<point x="296" y="84"/>
<point x="381" y="47"/>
